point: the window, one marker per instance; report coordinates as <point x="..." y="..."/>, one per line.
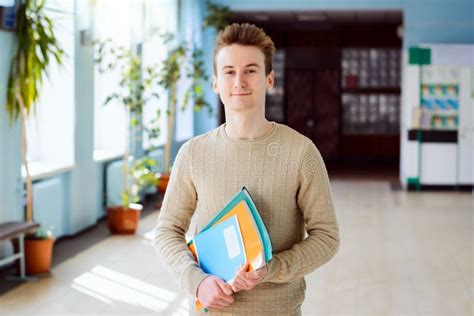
<point x="159" y="15"/>
<point x="131" y="23"/>
<point x="50" y="131"/>
<point x="112" y="21"/>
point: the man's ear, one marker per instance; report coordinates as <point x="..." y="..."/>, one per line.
<point x="270" y="80"/>
<point x="214" y="84"/>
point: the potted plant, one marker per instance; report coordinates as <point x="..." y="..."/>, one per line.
<point x="39" y="251"/>
<point x="124" y="219"/>
<point x="179" y="57"/>
<point x="170" y="74"/>
<point x="37" y="46"/>
<point x="135" y="89"/>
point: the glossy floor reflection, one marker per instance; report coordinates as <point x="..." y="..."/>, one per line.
<point x="401" y="254"/>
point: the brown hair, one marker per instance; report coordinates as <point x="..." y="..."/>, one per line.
<point x="247" y="35"/>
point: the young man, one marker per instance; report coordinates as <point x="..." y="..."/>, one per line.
<point x="283" y="172"/>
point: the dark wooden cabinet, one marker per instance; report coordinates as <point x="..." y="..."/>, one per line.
<point x="315" y="83"/>
<point x="312" y="107"/>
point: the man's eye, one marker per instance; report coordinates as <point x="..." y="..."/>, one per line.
<point x="229" y="72"/>
<point x="252" y="70"/>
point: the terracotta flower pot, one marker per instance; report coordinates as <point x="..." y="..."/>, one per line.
<point x="123" y="221"/>
<point x="38" y="255"/>
<point x="163" y="179"/>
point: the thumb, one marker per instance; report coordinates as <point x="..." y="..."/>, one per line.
<point x="245" y="267"/>
<point x="226" y="288"/>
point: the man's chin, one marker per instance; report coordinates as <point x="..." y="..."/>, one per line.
<point x="241" y="107"/>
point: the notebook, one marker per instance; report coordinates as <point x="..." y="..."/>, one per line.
<point x="243" y="206"/>
<point x="220" y="250"/>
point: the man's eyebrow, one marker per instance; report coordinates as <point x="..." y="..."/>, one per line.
<point x="249" y="65"/>
<point x="253" y="65"/>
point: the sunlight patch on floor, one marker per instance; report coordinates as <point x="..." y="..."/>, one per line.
<point x="108" y="285"/>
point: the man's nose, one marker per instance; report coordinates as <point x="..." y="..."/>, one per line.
<point x="239" y="81"/>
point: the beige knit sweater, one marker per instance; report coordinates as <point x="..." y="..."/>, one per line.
<point x="287" y="179"/>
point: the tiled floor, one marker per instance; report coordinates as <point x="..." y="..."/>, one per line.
<point x="401" y="254"/>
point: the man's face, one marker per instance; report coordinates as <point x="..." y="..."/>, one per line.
<point x="240" y="79"/>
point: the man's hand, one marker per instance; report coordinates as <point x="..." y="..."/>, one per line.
<point x="214" y="293"/>
<point x="248" y="280"/>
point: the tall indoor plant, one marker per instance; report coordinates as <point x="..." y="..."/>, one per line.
<point x="136" y="88"/>
<point x="182" y="60"/>
<point x="178" y="57"/>
<point x="37" y="46"/>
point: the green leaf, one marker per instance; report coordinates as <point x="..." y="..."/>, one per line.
<point x="36" y="43"/>
<point x="134" y="122"/>
<point x="198" y="89"/>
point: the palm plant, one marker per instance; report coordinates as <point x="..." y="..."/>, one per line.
<point x="37" y="47"/>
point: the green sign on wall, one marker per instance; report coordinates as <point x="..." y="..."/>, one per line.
<point x="419" y="56"/>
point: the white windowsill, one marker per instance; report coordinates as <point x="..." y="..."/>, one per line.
<point x="104" y="155"/>
<point x="41" y="170"/>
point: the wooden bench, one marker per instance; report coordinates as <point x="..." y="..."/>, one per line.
<point x="16" y="230"/>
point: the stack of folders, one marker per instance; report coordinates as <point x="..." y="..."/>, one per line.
<point x="235" y="236"/>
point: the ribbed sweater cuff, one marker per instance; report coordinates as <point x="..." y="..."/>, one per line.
<point x="192" y="277"/>
<point x="273" y="270"/>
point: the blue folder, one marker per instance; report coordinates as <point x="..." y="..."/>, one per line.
<point x="220" y="249"/>
<point x="244" y="195"/>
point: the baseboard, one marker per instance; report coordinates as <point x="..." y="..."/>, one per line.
<point x="431" y="187"/>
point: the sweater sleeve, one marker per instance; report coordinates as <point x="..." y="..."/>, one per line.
<point x="179" y="204"/>
<point x="322" y="241"/>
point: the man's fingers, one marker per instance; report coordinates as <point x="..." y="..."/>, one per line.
<point x="226" y="288"/>
<point x="235" y="288"/>
<point x="215" y="294"/>
<point x="243" y="271"/>
<point x="225" y="301"/>
<point x="247" y="280"/>
<point x="240" y="284"/>
<point x="254" y="275"/>
<point x="220" y="301"/>
<point x="245" y="267"/>
<point x="225" y="298"/>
